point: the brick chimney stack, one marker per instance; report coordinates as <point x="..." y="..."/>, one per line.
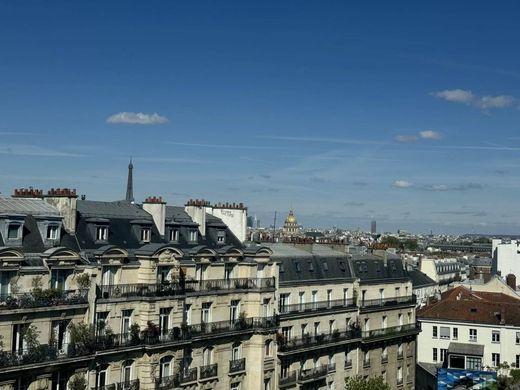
<point x="157" y="208"/>
<point x="65" y="200"/>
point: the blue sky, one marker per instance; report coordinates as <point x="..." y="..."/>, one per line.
<point x="403" y="112"/>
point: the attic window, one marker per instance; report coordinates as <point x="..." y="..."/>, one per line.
<point x="12" y="231"/>
<point x="101" y="233"/>
<point x="311" y="266"/>
<point x="145" y="234"/>
<point x="221" y="236"/>
<point x="193" y="235"/>
<point x="282" y="268"/>
<point x="52" y="232"/>
<point x="297" y="265"/>
<point x="174" y="235"/>
<point x="342" y="266"/>
<point x="325" y="266"/>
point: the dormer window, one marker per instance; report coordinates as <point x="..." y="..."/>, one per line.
<point x="193" y="235"/>
<point x="145" y="234"/>
<point x="52" y="232"/>
<point x="102" y="233"/>
<point x="174" y="235"/>
<point x="221" y="237"/>
<point x="13" y="231"/>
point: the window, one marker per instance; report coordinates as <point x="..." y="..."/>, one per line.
<point x="207" y="356"/>
<point x="472" y="334"/>
<point x="517" y="337"/>
<point x="235" y="386"/>
<point x="397" y="291"/>
<point x="301" y="300"/>
<point x="435" y="355"/>
<point x="455" y="333"/>
<point x="329" y="297"/>
<point x="303" y="329"/>
<point x="400" y="318"/>
<point x="206" y="312"/>
<point x="233" y="310"/>
<point x="287" y="332"/>
<point x="174" y="235"/>
<point x="495" y="336"/>
<point x="434" y="332"/>
<point x="399" y="374"/>
<point x="52" y="232"/>
<point x="383" y="322"/>
<point x="342" y="266"/>
<point x="12" y="231"/>
<point x="366" y="359"/>
<point x="193" y="235"/>
<point x="445" y="332"/>
<point x="495" y="358"/>
<point x="164" y="319"/>
<point x="517" y="361"/>
<point x="473" y="363"/>
<point x="316" y="328"/>
<point x="311" y="266"/>
<point x="266" y="303"/>
<point x="221" y="237"/>
<point x="314" y="299"/>
<point x="126" y="371"/>
<point x="268" y="347"/>
<point x="165" y="367"/>
<point x="235" y="351"/>
<point x="187" y="314"/>
<point x="145" y="234"/>
<point x="443" y="354"/>
<point x="101" y="322"/>
<point x="284" y="301"/>
<point x="101" y="233"/>
<point x="297" y="265"/>
<point x="345" y="296"/>
<point x="267" y="384"/>
<point x="325" y="266"/>
<point x="61" y="336"/>
<point x="126" y="316"/>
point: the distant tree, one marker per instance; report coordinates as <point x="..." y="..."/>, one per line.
<point x="392" y="242"/>
<point x="410" y="244"/>
<point x="360" y="383"/>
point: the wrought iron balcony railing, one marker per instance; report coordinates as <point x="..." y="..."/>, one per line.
<point x="314" y="373"/>
<point x="376" y="304"/>
<point x="171" y="289"/>
<point x="393" y="331"/>
<point x="126" y="385"/>
<point x="43" y="298"/>
<point x="215" y="285"/>
<point x="209" y="371"/>
<point x="288" y="378"/>
<point x="237" y="365"/>
<point x="91" y="344"/>
<point x="317" y="306"/>
<point x="308" y="341"/>
<point x="188" y="375"/>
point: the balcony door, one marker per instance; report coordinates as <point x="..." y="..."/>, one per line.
<point x="126" y="322"/>
<point x="109" y="276"/>
<point x="166" y="367"/>
<point x="234" y="310"/>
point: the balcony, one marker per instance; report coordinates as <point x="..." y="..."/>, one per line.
<point x="234" y="284"/>
<point x="312" y="307"/>
<point x="172" y="289"/>
<point x="145" y="339"/>
<point x="209" y="371"/>
<point x="386" y="303"/>
<point x="313" y="374"/>
<point x="287" y="379"/>
<point x="127" y="385"/>
<point x="316" y="342"/>
<point x="386" y="333"/>
<point x="43" y="298"/>
<point x="167" y="382"/>
<point x="237" y="365"/>
<point x="188" y="375"/>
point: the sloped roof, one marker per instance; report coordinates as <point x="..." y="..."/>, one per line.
<point x="27" y="207"/>
<point x="462" y="304"/>
<point x="118" y="209"/>
<point x="420" y="279"/>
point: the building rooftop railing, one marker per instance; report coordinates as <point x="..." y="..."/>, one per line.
<point x="317" y="306"/>
<point x="377" y="304"/>
<point x="43" y="298"/>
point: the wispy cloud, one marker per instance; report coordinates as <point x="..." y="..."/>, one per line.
<point x="137" y="118"/>
<point x="431" y="135"/>
<point x="483" y="102"/>
<point x="402" y="184"/>
<point x="34" y="150"/>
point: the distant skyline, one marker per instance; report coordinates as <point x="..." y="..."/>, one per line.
<point x="405" y="113"/>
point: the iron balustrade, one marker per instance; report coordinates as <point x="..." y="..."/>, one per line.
<point x="389" y="332"/>
<point x="187" y="375"/>
<point x="166" y="382"/>
<point x="91" y="344"/>
<point x="43" y="298"/>
<point x="237" y="365"/>
<point x="313" y="373"/>
<point x="232" y="284"/>
<point x="316" y="306"/>
<point x="126" y="385"/>
<point x="368" y="304"/>
<point x="322" y="339"/>
<point x="208" y="371"/>
<point x="287" y="378"/>
<point x="143" y="290"/>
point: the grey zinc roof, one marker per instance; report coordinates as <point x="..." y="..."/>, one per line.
<point x="466" y="349"/>
<point x="26" y="206"/>
<point x="286" y="250"/>
<point x="177" y="214"/>
<point x="118" y="209"/>
<point x="420" y="279"/>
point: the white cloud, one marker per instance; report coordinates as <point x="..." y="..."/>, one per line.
<point x="430" y="134"/>
<point x="137" y="118"/>
<point x="455" y="95"/>
<point x="402" y="184"/>
<point x="482" y="102"/>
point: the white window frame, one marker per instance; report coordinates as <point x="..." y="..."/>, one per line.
<point x="146" y="233"/>
<point x="101" y="233"/>
<point x="52" y="232"/>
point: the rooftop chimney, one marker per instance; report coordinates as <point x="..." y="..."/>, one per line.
<point x="511" y="281"/>
<point x="65" y="200"/>
<point x="157" y="208"/>
<point x="30" y="192"/>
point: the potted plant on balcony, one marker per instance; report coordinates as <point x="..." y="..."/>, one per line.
<point x="135" y="331"/>
<point x="241" y="322"/>
<point x="77" y="382"/>
<point x="151" y="333"/>
<point x="281" y="340"/>
<point x="82" y="338"/>
<point x="83" y="281"/>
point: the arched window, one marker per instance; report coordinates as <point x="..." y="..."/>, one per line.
<point x="101" y="375"/>
<point x="127" y="371"/>
<point x="166" y="367"/>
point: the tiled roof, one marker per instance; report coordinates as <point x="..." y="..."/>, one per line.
<point x="462" y="304"/>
